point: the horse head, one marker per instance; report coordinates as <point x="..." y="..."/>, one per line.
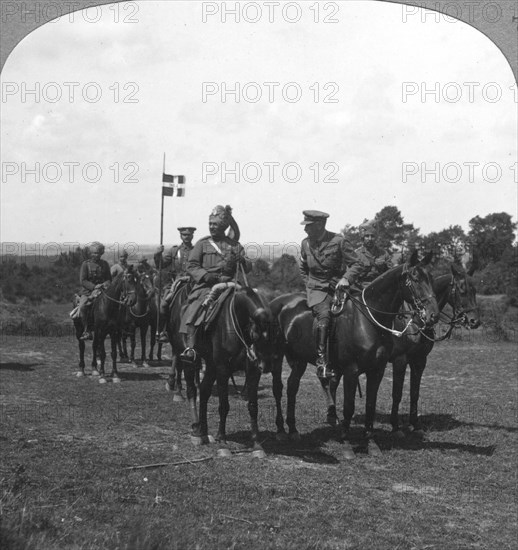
<point x="146" y="283"/>
<point x="417" y="288"/>
<point x="465" y="302"/>
<point x="128" y="286"/>
<point x="259" y="328"/>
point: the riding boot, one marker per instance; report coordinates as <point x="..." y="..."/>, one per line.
<point x="189" y="353"/>
<point x="323" y="368"/>
<point x="163" y="337"/>
<point x="85" y="317"/>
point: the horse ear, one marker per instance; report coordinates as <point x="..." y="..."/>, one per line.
<point x="414" y="260"/>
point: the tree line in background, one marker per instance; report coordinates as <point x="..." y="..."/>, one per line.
<point x="489" y="246"/>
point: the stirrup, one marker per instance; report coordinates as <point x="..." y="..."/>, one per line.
<point x="87" y="335"/>
<point x="324" y="370"/>
<point x="189" y="355"/>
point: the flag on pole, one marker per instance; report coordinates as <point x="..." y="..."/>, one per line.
<point x="173" y="186"/>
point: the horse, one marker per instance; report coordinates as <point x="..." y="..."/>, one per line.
<point x="238" y="337"/>
<point x="139" y="316"/>
<point x="360" y="342"/>
<point x="108" y="311"/>
<point x="457" y="290"/>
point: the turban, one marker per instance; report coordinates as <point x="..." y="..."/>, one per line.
<point x="222" y="215"/>
<point x="96" y="246"/>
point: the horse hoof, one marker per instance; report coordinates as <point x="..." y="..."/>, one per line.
<point x="102" y="380"/>
<point x="295" y="436"/>
<point x="95" y="372"/>
<point x="116" y="380"/>
<point x="332" y="420"/>
<point x="258" y="453"/>
<point x="134" y="365"/>
<point x="80" y="374"/>
<point x="196" y="440"/>
<point x="178" y="398"/>
<point x="210" y="439"/>
<point x="167" y="386"/>
<point x="374" y="450"/>
<point x="282" y="437"/>
<point x="224" y="453"/>
<point x="348" y="453"/>
<point x="145" y="364"/>
<point x="398" y="434"/>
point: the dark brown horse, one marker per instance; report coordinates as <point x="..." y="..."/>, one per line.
<point x="361" y="341"/>
<point x="108" y="311"/>
<point x="139" y="316"/>
<point x="457" y="290"/>
<point x="238" y="339"/>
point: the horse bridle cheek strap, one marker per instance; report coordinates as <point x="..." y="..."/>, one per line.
<point x="250" y="351"/>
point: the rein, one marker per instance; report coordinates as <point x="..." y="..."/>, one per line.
<point x="250" y="352"/>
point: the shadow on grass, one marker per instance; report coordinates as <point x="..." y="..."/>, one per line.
<point x="19" y="366"/>
<point x="309" y="448"/>
<point x="140" y="376"/>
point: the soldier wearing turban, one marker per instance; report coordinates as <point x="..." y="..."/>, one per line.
<point x="214" y="259"/>
<point x="94" y="275"/>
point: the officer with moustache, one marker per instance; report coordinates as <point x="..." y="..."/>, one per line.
<point x="328" y="262"/>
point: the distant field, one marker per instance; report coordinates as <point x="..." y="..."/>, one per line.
<point x="67" y="444"/>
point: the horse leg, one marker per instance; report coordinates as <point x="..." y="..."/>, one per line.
<point x="143" y="336"/>
<point x="329" y="387"/>
<point x="174" y="382"/>
<point x="417" y="367"/>
<point x="374" y="378"/>
<point x="152" y="340"/>
<point x="253" y="375"/>
<point x="277" y="387"/>
<point x="298" y="368"/>
<point x="159" y="351"/>
<point x="115" y="374"/>
<point x="100" y="354"/>
<point x="192" y="390"/>
<point x="133" y="342"/>
<point x="350" y="382"/>
<point x="81" y="372"/>
<point x="224" y="407"/>
<point x="200" y="433"/>
<point x="398" y="380"/>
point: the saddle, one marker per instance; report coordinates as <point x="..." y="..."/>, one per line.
<point x="74" y="314"/>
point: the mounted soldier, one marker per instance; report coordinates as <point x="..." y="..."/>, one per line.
<point x="94" y="276"/>
<point x="214" y="259"/>
<point x="173" y="267"/>
<point x="121" y="265"/>
<point x="328" y="263"/>
<point x="375" y="259"/>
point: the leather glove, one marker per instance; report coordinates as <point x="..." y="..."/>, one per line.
<point x="343" y="284"/>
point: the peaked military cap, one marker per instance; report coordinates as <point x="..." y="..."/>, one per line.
<point x="187" y="229"/>
<point x="142" y="259"/>
<point x="311" y="216"/>
<point x="124" y="254"/>
<point x="368" y="228"/>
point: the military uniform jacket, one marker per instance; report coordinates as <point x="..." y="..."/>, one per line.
<point x="324" y="263"/>
<point x="176" y="260"/>
<point x="369" y="258"/>
<point x="93" y="273"/>
<point x="214" y="257"/>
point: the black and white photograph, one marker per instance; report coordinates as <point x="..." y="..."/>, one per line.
<point x="259" y="276"/>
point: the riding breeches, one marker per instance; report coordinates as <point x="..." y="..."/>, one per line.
<point x="322" y="311"/>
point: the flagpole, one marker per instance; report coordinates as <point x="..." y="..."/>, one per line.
<point x="162" y="254"/>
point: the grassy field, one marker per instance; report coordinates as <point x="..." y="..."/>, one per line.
<point x="68" y="444"/>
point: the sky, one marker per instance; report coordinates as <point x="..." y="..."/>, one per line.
<point x="349" y="122"/>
